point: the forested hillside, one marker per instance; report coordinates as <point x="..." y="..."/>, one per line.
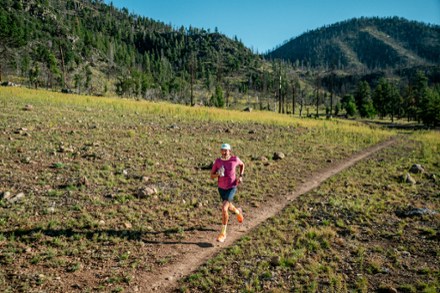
<point x="360" y="67"/>
<point x="365" y="44"/>
<point x="91" y="47"/>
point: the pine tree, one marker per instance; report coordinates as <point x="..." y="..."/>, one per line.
<point x="363" y="100"/>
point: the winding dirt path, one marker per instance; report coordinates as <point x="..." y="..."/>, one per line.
<point x="191" y="255"/>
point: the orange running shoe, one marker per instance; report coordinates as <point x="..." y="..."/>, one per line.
<point x="240" y="217"/>
<point x="222" y="237"/>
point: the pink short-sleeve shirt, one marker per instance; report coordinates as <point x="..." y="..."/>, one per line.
<point x="229" y="180"/>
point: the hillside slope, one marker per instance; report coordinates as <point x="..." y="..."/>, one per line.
<point x="365" y="43"/>
<point x="90" y="46"/>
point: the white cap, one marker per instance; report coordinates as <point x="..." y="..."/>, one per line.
<point x="225" y="146"/>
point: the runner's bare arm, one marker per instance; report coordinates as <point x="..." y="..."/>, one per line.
<point x="214" y="174"/>
<point x="240" y="176"/>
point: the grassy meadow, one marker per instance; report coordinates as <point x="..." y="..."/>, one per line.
<point x="352" y="234"/>
<point x="82" y="162"/>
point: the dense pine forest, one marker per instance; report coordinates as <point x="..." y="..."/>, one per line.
<point x="368" y="67"/>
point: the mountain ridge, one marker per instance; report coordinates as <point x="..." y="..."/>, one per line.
<point x="377" y="43"/>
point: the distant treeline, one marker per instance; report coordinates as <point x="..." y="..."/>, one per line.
<point x="89" y="47"/>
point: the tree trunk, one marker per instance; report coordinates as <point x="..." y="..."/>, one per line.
<point x="63" y="66"/>
<point x="317" y="103"/>
<point x="192" y="87"/>
<point x="293" y="100"/>
<point x="331" y="103"/>
<point x="279" y="96"/>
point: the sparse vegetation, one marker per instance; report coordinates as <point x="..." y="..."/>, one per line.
<point x="347" y="235"/>
<point x="88" y="158"/>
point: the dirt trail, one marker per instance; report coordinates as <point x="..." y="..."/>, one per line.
<point x="193" y="254"/>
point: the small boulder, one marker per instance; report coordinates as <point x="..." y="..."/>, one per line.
<point x="173" y="126"/>
<point x="65" y="149"/>
<point x="408" y="179"/>
<point x="83" y="181"/>
<point x="416" y="169"/>
<point x="6" y="195"/>
<point x="16" y="198"/>
<point x="263" y="159"/>
<point x="145" y="192"/>
<point x="415" y="212"/>
<point x="247" y="109"/>
<point x="28" y="107"/>
<point x="432" y="177"/>
<point x="278" y="156"/>
<point x="275" y="261"/>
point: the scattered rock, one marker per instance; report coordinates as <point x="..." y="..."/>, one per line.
<point x="173" y="126"/>
<point x="255" y="204"/>
<point x="387" y="290"/>
<point x="406" y="254"/>
<point x="417" y="168"/>
<point x="9" y="83"/>
<point x="64" y="149"/>
<point x="6" y="195"/>
<point x="275" y="261"/>
<point x="145" y="192"/>
<point x="298" y="267"/>
<point x="145" y="179"/>
<point x="83" y="181"/>
<point x="263" y="159"/>
<point x="278" y="156"/>
<point x="415" y="212"/>
<point x="16" y="197"/>
<point x="432" y="177"/>
<point x="408" y="179"/>
<point x="384" y="271"/>
<point x="28" y="107"/>
<point x="21" y="131"/>
<point x="67" y="91"/>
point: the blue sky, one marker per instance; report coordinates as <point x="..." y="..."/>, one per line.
<point x="264" y="24"/>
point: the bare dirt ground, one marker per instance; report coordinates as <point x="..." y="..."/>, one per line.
<point x="188" y="256"/>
